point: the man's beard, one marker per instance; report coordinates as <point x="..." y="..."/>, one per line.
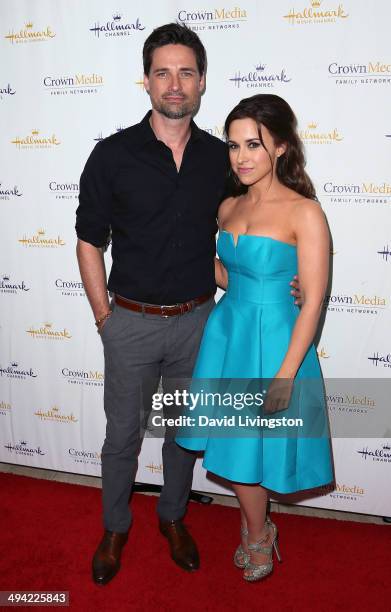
<point x="177" y="111"/>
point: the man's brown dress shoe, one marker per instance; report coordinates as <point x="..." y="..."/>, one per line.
<point x="106" y="560"/>
<point x="182" y="546"/>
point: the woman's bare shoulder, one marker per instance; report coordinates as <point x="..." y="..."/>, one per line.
<point x="226" y="208"/>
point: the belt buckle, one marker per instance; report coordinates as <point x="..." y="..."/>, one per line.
<point x="165" y="316"/>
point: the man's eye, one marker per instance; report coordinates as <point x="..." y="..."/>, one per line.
<point x="161" y="74"/>
<point x="186" y="75"/>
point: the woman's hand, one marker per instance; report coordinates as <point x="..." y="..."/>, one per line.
<point x="278" y="395"/>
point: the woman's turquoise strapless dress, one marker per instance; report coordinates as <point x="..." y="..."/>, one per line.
<point x="246" y="337"/>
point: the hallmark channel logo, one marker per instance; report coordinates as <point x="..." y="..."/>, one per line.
<point x="354" y="403"/>
<point x="357" y="303"/>
<point x="10" y="286"/>
<point x="8" y="193"/>
<point x="14" y="370"/>
<point x="385" y="253"/>
<point x="380" y="454"/>
<point x="5" y="408"/>
<point x="100" y="136"/>
<point x="23" y="448"/>
<point x="117" y="27"/>
<point x="343" y="491"/>
<point x="36" y="141"/>
<point x="6" y="92"/>
<point x="55" y="415"/>
<point x="40" y="240"/>
<point x="369" y="192"/>
<point x="28" y="34"/>
<point x="70" y="288"/>
<point x="379" y="360"/>
<point x="87" y="378"/>
<point x="73" y="84"/>
<point x="64" y="191"/>
<point x="213" y="19"/>
<point x="312" y="134"/>
<point x="48" y="332"/>
<point x="154" y="468"/>
<point x="316" y="12"/>
<point x="259" y="76"/>
<point x="373" y="72"/>
<point x="85" y="456"/>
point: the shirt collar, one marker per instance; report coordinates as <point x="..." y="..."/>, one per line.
<point x="146" y="133"/>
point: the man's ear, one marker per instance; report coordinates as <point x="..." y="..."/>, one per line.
<point x="146" y="83"/>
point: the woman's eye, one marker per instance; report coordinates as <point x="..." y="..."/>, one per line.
<point x="232" y="147"/>
<point x="253" y="145"/>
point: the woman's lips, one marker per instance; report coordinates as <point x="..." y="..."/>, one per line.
<point x="244" y="170"/>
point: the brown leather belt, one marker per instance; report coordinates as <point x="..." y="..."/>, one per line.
<point x="163" y="311"/>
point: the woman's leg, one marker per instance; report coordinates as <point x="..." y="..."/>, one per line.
<point x="253" y="503"/>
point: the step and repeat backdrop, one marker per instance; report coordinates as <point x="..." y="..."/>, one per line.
<point x="70" y="75"/>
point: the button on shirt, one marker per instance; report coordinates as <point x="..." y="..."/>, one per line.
<point x="162" y="222"/>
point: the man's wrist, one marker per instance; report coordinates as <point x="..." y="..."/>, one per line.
<point x="101" y="319"/>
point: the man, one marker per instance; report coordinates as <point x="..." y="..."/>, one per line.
<point x="156" y="187"/>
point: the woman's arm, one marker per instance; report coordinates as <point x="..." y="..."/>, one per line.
<point x="221" y="274"/>
<point x="313" y="248"/>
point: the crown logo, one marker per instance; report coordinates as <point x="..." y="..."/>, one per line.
<point x="260" y="67"/>
<point x="117" y="16"/>
<point x="29" y="25"/>
<point x="312" y="125"/>
<point x="119" y="128"/>
<point x="40" y="232"/>
<point x="316" y="3"/>
<point x="49" y="325"/>
<point x="55" y="409"/>
<point x="35" y="132"/>
<point x="6" y="278"/>
<point x="23" y="442"/>
<point x="14" y="365"/>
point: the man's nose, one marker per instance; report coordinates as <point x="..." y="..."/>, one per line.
<point x="175" y="85"/>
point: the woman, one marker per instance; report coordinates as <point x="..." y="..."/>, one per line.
<point x="273" y="228"/>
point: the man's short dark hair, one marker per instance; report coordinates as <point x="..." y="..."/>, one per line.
<point x="174" y="34"/>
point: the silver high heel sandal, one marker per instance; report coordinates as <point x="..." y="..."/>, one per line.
<point x="259" y="571"/>
<point x="241" y="558"/>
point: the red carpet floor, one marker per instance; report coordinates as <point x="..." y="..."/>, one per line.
<point x="49" y="531"/>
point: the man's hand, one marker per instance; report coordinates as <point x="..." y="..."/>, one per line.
<point x="296" y="290"/>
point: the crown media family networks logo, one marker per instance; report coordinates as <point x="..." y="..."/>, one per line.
<point x="29" y="34"/>
<point x="343" y="492"/>
<point x="365" y="192"/>
<point x="218" y="18"/>
<point x="350" y="403"/>
<point x="79" y="83"/>
<point x="87" y="378"/>
<point x="374" y="72"/>
<point x="356" y="303"/>
<point x="86" y="457"/>
<point x="63" y="190"/>
<point x="116" y="26"/>
<point x="5" y="408"/>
